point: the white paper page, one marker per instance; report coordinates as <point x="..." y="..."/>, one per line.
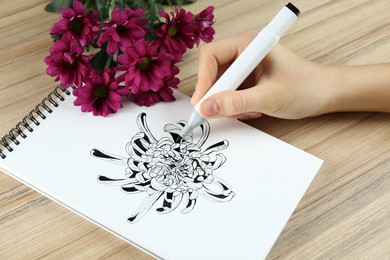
<point x="267" y="177"/>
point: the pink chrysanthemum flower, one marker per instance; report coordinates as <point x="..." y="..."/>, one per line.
<point x="67" y="63"/>
<point x="76" y="23"/>
<point x="101" y="94"/>
<point x="176" y="34"/>
<point x="204" y="22"/>
<point x="124" y="28"/>
<point x="150" y="97"/>
<point x="164" y="94"/>
<point x="145" y="68"/>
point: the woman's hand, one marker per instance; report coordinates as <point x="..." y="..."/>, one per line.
<point x="287" y="86"/>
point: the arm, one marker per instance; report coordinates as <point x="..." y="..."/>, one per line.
<point x="360" y="88"/>
<point x="287" y="86"/>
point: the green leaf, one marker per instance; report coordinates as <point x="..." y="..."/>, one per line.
<point x="111" y="6"/>
<point x="188" y="1"/>
<point x="102" y="7"/>
<point x="55" y="5"/>
<point x="154" y="19"/>
<point x="134" y="4"/>
<point x="99" y="61"/>
<point x="183" y="2"/>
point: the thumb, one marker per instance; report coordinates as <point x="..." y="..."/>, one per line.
<point x="233" y="102"/>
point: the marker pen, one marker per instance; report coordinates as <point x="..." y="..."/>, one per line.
<point x="248" y="60"/>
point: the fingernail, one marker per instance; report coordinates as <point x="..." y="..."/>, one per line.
<point x="210" y="107"/>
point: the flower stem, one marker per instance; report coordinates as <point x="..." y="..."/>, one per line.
<point x="170" y="4"/>
<point x="115" y="57"/>
<point x="108" y="62"/>
<point x="111" y="6"/>
<point x="154" y="6"/>
<point x="87" y="4"/>
<point x="178" y="3"/>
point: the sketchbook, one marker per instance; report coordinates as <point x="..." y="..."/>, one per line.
<point x="224" y="192"/>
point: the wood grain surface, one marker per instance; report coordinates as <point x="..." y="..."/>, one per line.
<point x="345" y="213"/>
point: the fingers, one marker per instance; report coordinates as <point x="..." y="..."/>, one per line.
<point x="243" y="104"/>
<point x="213" y="57"/>
<point x="216" y="57"/>
<point x="249" y="115"/>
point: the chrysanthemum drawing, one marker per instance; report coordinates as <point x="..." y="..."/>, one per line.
<point x="172" y="168"/>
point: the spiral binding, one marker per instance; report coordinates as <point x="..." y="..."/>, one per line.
<point x="31" y="118"/>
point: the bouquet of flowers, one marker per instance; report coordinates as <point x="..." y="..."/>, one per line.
<point x="110" y="49"/>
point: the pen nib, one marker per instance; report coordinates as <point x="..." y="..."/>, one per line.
<point x="185" y="131"/>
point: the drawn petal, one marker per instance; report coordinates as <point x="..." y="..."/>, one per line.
<point x="142" y="186"/>
<point x="170" y="203"/>
<point x="217" y="191"/>
<point x="195" y="184"/>
<point x="190" y="204"/>
<point x="136" y="146"/>
<point x="108" y="156"/>
<point x="136" y="187"/>
<point x="134" y="152"/>
<point x="140" y="177"/>
<point x="143" y="126"/>
<point x="219" y="160"/>
<point x="110" y="181"/>
<point x="130" y="189"/>
<point x="158" y="185"/>
<point x="182" y="123"/>
<point x="164" y="141"/>
<point x="174" y="131"/>
<point x="145" y="207"/>
<point x="217" y="147"/>
<point x="216" y="197"/>
<point x="132" y="167"/>
<point x="171" y="128"/>
<point x="205" y="133"/>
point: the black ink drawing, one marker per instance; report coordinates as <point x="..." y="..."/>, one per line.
<point x="172" y="168"/>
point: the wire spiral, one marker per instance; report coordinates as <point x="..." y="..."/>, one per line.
<point x="31" y="118"/>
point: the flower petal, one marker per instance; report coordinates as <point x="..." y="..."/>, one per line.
<point x="190" y="204"/>
<point x="170" y="203"/>
<point x="145" y="207"/>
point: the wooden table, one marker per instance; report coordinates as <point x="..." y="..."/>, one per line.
<point x="344" y="214"/>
